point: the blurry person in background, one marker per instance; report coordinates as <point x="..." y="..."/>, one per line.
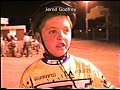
<point x="9" y="37"/>
<point x="36" y="46"/>
<point x="2" y="46"/>
<point x="26" y="45"/>
<point x="12" y="46"/>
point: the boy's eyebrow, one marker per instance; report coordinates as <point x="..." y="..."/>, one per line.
<point x="65" y="27"/>
<point x="50" y="27"/>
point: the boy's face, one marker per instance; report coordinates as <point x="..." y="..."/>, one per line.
<point x="56" y="35"/>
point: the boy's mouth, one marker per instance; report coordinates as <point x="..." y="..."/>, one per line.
<point x="61" y="45"/>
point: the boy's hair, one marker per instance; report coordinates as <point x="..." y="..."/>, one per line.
<point x="40" y="15"/>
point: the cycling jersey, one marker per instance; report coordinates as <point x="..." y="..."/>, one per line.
<point x="73" y="72"/>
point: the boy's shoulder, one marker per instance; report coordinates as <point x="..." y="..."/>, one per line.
<point x="33" y="65"/>
<point x="83" y="61"/>
<point x="79" y="59"/>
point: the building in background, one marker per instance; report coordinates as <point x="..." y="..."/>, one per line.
<point x="16" y="30"/>
<point x="98" y="20"/>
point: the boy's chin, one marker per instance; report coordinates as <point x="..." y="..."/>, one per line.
<point x="59" y="55"/>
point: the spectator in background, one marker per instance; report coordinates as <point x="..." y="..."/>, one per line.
<point x="2" y="46"/>
<point x="14" y="41"/>
<point x="26" y="44"/>
<point x="36" y="46"/>
<point x="9" y="37"/>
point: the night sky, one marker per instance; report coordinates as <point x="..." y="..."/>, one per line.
<point x="19" y="12"/>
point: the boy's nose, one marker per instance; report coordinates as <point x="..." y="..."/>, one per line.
<point x="60" y="36"/>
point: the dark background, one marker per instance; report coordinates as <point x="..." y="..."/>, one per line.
<point x="19" y="12"/>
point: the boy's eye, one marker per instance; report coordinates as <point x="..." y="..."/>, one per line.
<point x="52" y="31"/>
<point x="66" y="30"/>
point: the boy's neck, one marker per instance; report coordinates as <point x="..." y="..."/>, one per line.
<point x="54" y="60"/>
<point x="51" y="57"/>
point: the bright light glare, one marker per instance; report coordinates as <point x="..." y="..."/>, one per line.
<point x="89" y="30"/>
<point x="100" y="29"/>
<point x="86" y="1"/>
<point x="80" y="30"/>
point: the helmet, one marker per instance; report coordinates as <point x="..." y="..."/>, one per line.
<point x="39" y="15"/>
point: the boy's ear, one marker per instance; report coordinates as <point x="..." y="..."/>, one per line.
<point x="37" y="36"/>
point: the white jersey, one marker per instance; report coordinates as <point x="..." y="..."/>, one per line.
<point x="74" y="72"/>
<point x="26" y="38"/>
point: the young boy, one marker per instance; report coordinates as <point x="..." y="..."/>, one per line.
<point x="57" y="68"/>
